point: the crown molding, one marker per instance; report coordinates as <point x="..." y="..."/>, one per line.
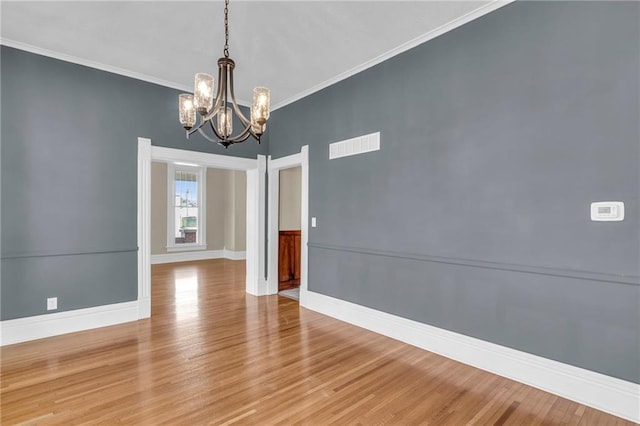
<point x="100" y="66"/>
<point x="474" y="14"/>
<point x="92" y="64"/>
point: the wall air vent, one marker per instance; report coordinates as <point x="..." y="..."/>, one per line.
<point x="359" y="145"/>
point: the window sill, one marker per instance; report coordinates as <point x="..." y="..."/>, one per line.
<point x="187" y="247"/>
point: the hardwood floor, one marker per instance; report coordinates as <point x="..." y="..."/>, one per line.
<point x="211" y="354"/>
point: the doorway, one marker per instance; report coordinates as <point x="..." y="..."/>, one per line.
<point x="294" y="217"/>
<point x="255" y="211"/>
<point x="289" y="230"/>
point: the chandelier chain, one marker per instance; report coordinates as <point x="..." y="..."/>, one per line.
<point x="226" y="28"/>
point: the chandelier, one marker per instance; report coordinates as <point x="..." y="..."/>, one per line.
<point x="217" y="112"/>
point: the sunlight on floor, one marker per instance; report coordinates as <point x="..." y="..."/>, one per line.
<point x="186" y="287"/>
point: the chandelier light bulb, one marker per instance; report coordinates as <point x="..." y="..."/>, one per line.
<point x="203" y="93"/>
<point x="225" y="121"/>
<point x="261" y="105"/>
<point x="258" y="129"/>
<point x="187" y="110"/>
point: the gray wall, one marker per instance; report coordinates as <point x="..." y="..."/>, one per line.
<point x="474" y="216"/>
<point x="68" y="156"/>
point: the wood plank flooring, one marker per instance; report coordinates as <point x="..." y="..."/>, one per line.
<point x="211" y="354"/>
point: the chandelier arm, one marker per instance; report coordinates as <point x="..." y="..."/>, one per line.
<point x="194" y="129"/>
<point x="241" y="137"/>
<point x="222" y="82"/>
<point x="244" y="135"/>
<point x="215" y="132"/>
<point x="199" y="129"/>
<point x="207" y="137"/>
<point x="238" y="112"/>
<point x="236" y="108"/>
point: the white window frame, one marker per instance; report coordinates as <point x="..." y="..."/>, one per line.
<point x="201" y="243"/>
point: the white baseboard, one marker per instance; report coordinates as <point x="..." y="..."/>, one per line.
<point x="235" y="255"/>
<point x="188" y="256"/>
<point x="41" y="326"/>
<point x="144" y="307"/>
<point x="605" y="393"/>
<point x="257" y="287"/>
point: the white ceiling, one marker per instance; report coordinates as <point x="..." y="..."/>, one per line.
<point x="292" y="47"/>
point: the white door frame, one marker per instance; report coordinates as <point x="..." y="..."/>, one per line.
<point x="274" y="166"/>
<point x="255" y="169"/>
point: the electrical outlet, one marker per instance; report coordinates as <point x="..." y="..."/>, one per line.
<point x="52" y="303"/>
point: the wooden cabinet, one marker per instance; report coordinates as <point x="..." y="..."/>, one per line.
<point x="288" y="259"/>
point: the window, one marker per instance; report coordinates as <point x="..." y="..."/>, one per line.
<point x="186" y="207"/>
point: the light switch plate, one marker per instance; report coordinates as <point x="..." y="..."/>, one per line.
<point x="313" y="222"/>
